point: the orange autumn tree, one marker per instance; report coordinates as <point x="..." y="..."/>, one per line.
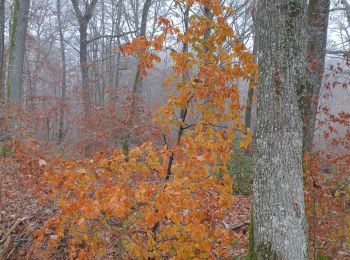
<point x="162" y="201"/>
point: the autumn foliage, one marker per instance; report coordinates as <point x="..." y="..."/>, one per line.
<point x="327" y="183"/>
<point x="167" y="191"/>
<point x="160" y="200"/>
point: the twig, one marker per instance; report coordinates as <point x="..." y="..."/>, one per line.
<point x="240" y="225"/>
<point x="18" y="221"/>
<point x="5" y="138"/>
<point x="11" y="252"/>
<point x="171" y="49"/>
<point x="110" y="36"/>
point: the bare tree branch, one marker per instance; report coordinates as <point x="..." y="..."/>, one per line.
<point x="110" y="36"/>
<point x="337" y="9"/>
<point x="337" y="52"/>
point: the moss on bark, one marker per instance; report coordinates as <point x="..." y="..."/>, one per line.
<point x="264" y="251"/>
<point x="250" y="253"/>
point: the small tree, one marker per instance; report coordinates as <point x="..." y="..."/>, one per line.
<point x="146" y="208"/>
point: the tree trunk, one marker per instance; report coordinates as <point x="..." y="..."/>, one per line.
<point x="317" y="25"/>
<point x="64" y="76"/>
<point x="2" y="47"/>
<point x="249" y="103"/>
<point x="83" y="20"/>
<point x="279" y="211"/>
<point x="142" y="33"/>
<point x="185" y="77"/>
<point x="347" y="10"/>
<point x="118" y="29"/>
<point x="84" y="68"/>
<point x="17" y="50"/>
<point x="137" y="80"/>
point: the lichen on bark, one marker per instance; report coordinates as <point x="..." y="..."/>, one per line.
<point x="266" y="252"/>
<point x="279" y="215"/>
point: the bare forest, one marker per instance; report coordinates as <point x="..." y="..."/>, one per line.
<point x="175" y="129"/>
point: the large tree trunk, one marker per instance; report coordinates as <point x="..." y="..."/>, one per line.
<point x="279" y="211"/>
<point x="17" y="50"/>
<point x="64" y="75"/>
<point x="317" y="25"/>
<point x="2" y="47"/>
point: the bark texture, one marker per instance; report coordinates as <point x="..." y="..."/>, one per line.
<point x="17" y="50"/>
<point x="2" y="42"/>
<point x="317" y="25"/>
<point x="279" y="211"/>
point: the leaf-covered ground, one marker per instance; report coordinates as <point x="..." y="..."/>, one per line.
<point x="328" y="207"/>
<point x="22" y="214"/>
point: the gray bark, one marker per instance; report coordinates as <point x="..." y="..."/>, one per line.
<point x="142" y="33"/>
<point x="317" y="25"/>
<point x="279" y="211"/>
<point x="249" y="103"/>
<point x="16" y="59"/>
<point x="83" y="20"/>
<point x="64" y="75"/>
<point x="2" y="47"/>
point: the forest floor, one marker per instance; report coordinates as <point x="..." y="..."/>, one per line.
<point x="21" y="213"/>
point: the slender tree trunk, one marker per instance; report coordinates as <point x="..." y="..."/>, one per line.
<point x="137" y="80"/>
<point x="104" y="64"/>
<point x="347" y="10"/>
<point x="96" y="71"/>
<point x="118" y="29"/>
<point x="183" y="111"/>
<point x="84" y="20"/>
<point x="17" y="50"/>
<point x="279" y="211"/>
<point x="2" y="47"/>
<point x="317" y="25"/>
<point x="84" y="68"/>
<point x="249" y="103"/>
<point x="117" y="73"/>
<point x="142" y="33"/>
<point x="64" y="76"/>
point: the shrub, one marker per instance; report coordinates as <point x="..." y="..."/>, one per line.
<point x="241" y="169"/>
